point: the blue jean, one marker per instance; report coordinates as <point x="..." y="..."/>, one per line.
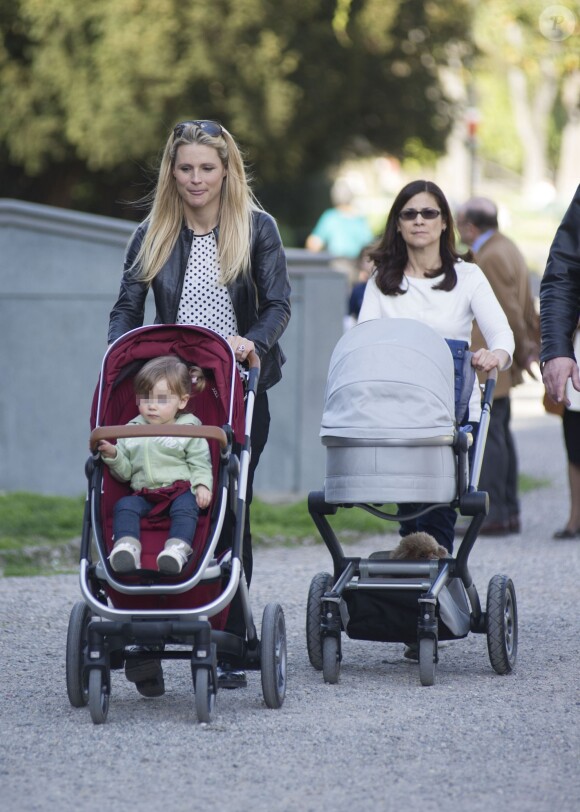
<point x="129" y="511"/>
<point x="439" y="522"/>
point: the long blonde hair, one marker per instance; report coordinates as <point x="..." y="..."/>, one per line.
<point x="166" y="217"/>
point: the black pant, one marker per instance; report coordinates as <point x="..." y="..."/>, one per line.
<point x="439" y="522"/>
<point x="499" y="469"/>
<point x="258" y="437"/>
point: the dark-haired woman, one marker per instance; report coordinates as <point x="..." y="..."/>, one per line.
<point x="420" y="275"/>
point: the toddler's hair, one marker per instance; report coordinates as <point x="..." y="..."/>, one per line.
<point x="182" y="380"/>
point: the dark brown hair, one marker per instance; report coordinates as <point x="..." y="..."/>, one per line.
<point x="390" y="254"/>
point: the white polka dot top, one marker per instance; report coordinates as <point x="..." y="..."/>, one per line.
<point x="203" y="301"/>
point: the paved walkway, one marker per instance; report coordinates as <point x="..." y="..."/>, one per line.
<point x="377" y="740"/>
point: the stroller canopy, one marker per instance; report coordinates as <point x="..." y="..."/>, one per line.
<point x="220" y="403"/>
<point x="389" y="379"/>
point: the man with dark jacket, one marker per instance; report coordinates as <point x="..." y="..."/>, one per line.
<point x="505" y="267"/>
<point x="560" y="306"/>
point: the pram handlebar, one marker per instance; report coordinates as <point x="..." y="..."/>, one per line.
<point x="490" y="383"/>
<point x="253" y="360"/>
<point x="151" y="430"/>
<point x="486" y="404"/>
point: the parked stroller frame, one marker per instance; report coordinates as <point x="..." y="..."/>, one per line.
<point x="406" y="601"/>
<point x="131" y="620"/>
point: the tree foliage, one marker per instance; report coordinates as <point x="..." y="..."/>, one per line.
<point x="90" y="89"/>
<point x="520" y="48"/>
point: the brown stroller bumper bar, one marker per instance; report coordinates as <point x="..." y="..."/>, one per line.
<point x="151" y="430"/>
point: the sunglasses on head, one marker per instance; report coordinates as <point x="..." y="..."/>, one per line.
<point x="210" y="127"/>
<point x="426" y="214"/>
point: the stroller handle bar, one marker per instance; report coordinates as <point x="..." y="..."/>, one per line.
<point x="151" y="430"/>
<point x="491" y="378"/>
<point x="253" y="360"/>
<point x="486" y="404"/>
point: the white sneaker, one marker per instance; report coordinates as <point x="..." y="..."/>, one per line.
<point x="174" y="557"/>
<point x="126" y="555"/>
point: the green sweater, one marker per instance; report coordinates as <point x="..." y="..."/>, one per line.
<point x="156" y="462"/>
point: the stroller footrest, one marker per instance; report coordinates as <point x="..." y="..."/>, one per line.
<point x="390" y="584"/>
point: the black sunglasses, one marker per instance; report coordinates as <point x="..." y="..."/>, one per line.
<point x="210" y="127"/>
<point x="426" y="214"/>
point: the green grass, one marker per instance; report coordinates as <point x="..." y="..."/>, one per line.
<point x="285" y="523"/>
<point x="34" y="530"/>
<point x="30" y="520"/>
<point x="530" y="483"/>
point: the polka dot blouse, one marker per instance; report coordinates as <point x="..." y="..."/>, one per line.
<point x="204" y="302"/>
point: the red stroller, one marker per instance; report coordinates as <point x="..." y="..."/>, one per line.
<point x="136" y="620"/>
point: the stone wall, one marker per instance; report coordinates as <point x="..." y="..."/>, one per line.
<point x="59" y="277"/>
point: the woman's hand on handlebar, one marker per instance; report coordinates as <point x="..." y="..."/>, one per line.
<point x="485" y="360"/>
<point x="241" y="346"/>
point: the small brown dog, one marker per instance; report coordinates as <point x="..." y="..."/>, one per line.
<point x="417" y="546"/>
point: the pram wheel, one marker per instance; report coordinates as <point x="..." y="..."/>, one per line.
<point x="427" y="660"/>
<point x="77" y="686"/>
<point x="98" y="696"/>
<point x="273" y="655"/>
<point x="320" y="584"/>
<point x="205" y="695"/>
<point x="502" y="624"/>
<point x="330" y="659"/>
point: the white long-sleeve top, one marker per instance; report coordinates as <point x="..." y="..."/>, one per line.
<point x="449" y="313"/>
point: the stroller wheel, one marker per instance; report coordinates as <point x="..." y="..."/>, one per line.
<point x="502" y="624"/>
<point x="205" y="695"/>
<point x="320" y="584"/>
<point x="98" y="696"/>
<point x="273" y="655"/>
<point x="331" y="659"/>
<point x="77" y="684"/>
<point x="427" y="660"/>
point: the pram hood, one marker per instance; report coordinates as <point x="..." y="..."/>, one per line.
<point x="389" y="379"/>
<point x="114" y="398"/>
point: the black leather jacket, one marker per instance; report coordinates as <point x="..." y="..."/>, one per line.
<point x="560" y="287"/>
<point x="261" y="299"/>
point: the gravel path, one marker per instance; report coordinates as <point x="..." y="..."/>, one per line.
<point x="377" y="740"/>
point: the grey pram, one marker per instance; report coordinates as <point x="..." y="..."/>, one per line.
<point x="389" y="426"/>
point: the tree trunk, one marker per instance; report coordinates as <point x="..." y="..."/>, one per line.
<point x="532" y="111"/>
<point x="569" y="163"/>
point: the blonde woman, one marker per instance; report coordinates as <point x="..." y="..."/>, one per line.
<point x="212" y="257"/>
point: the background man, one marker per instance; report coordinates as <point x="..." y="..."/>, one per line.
<point x="505" y="267"/>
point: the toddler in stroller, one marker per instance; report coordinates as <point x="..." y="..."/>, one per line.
<point x="392" y="436"/>
<point x="165" y="473"/>
<point x="137" y="618"/>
